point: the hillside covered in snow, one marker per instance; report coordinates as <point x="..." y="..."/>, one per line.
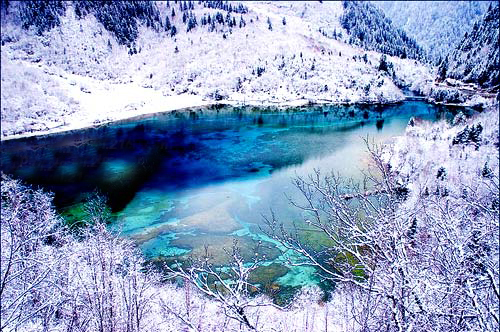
<point x="72" y="64"/>
<point x="437" y="26"/>
<point x="476" y="59"/>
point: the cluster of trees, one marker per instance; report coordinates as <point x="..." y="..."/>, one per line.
<point x="334" y="35"/>
<point x="189" y="18"/>
<point x="447" y="95"/>
<point x="370" y="29"/>
<point x="118" y="17"/>
<point x="183" y="5"/>
<point x="476" y="59"/>
<point x="470" y="135"/>
<point x="227" y="6"/>
<point x="413" y="260"/>
<point x="437" y="26"/>
<point x="43" y="15"/>
<point x="218" y="18"/>
<point x="121" y="18"/>
<point x="49" y="278"/>
<point x="53" y="277"/>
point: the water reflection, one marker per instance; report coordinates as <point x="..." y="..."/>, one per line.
<point x="182" y="180"/>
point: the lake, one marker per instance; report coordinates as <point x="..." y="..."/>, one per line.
<point x="180" y="181"/>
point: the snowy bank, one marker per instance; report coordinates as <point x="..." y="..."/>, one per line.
<point x="76" y="74"/>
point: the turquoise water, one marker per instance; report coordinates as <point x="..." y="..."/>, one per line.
<point x="181" y="181"/>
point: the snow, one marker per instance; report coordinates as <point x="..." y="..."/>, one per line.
<point x="69" y="78"/>
<point x="89" y="101"/>
<point x="72" y="76"/>
<point x="445" y="22"/>
<point x="428" y="146"/>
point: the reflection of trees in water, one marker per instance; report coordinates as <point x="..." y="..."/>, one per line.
<point x="176" y="144"/>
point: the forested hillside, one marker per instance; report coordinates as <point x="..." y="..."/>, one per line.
<point x="369" y="28"/>
<point x="136" y="56"/>
<point x="476" y="59"/>
<point x="437" y="26"/>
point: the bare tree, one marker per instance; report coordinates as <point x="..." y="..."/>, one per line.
<point x="109" y="279"/>
<point x="425" y="263"/>
<point x="228" y="286"/>
<point x="28" y="265"/>
<point x="51" y="278"/>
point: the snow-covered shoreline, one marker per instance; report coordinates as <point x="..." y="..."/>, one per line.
<point x="158" y="104"/>
<point x="90" y="119"/>
<point x="154" y="103"/>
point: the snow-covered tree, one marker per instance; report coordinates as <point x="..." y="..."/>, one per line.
<point x="415" y="260"/>
<point x="476" y="59"/>
<point x="368" y="27"/>
<point x="29" y="268"/>
<point x="228" y="286"/>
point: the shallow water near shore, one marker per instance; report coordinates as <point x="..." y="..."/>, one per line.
<point x="180" y="181"/>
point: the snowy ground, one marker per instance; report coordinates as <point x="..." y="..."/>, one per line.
<point x="76" y="75"/>
<point x="67" y="102"/>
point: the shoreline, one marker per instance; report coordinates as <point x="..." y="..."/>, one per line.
<point x="186" y="102"/>
<point x="189" y="102"/>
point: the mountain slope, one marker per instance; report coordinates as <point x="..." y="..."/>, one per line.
<point x="369" y="28"/>
<point x="252" y="53"/>
<point x="476" y="59"/>
<point x="437" y="26"/>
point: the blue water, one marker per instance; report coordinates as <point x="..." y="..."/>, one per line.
<point x="180" y="181"/>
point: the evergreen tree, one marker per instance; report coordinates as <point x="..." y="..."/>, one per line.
<point x="78" y="12"/>
<point x="477" y="57"/>
<point x="167" y="23"/>
<point x="443" y="68"/>
<point x="284" y="21"/>
<point x="383" y="63"/>
<point x="191" y="23"/>
<point x="270" y="26"/>
<point x="173" y="31"/>
<point x="487" y="172"/>
<point x="43" y="15"/>
<point x="121" y="18"/>
<point x="219" y="18"/>
<point x="368" y="27"/>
